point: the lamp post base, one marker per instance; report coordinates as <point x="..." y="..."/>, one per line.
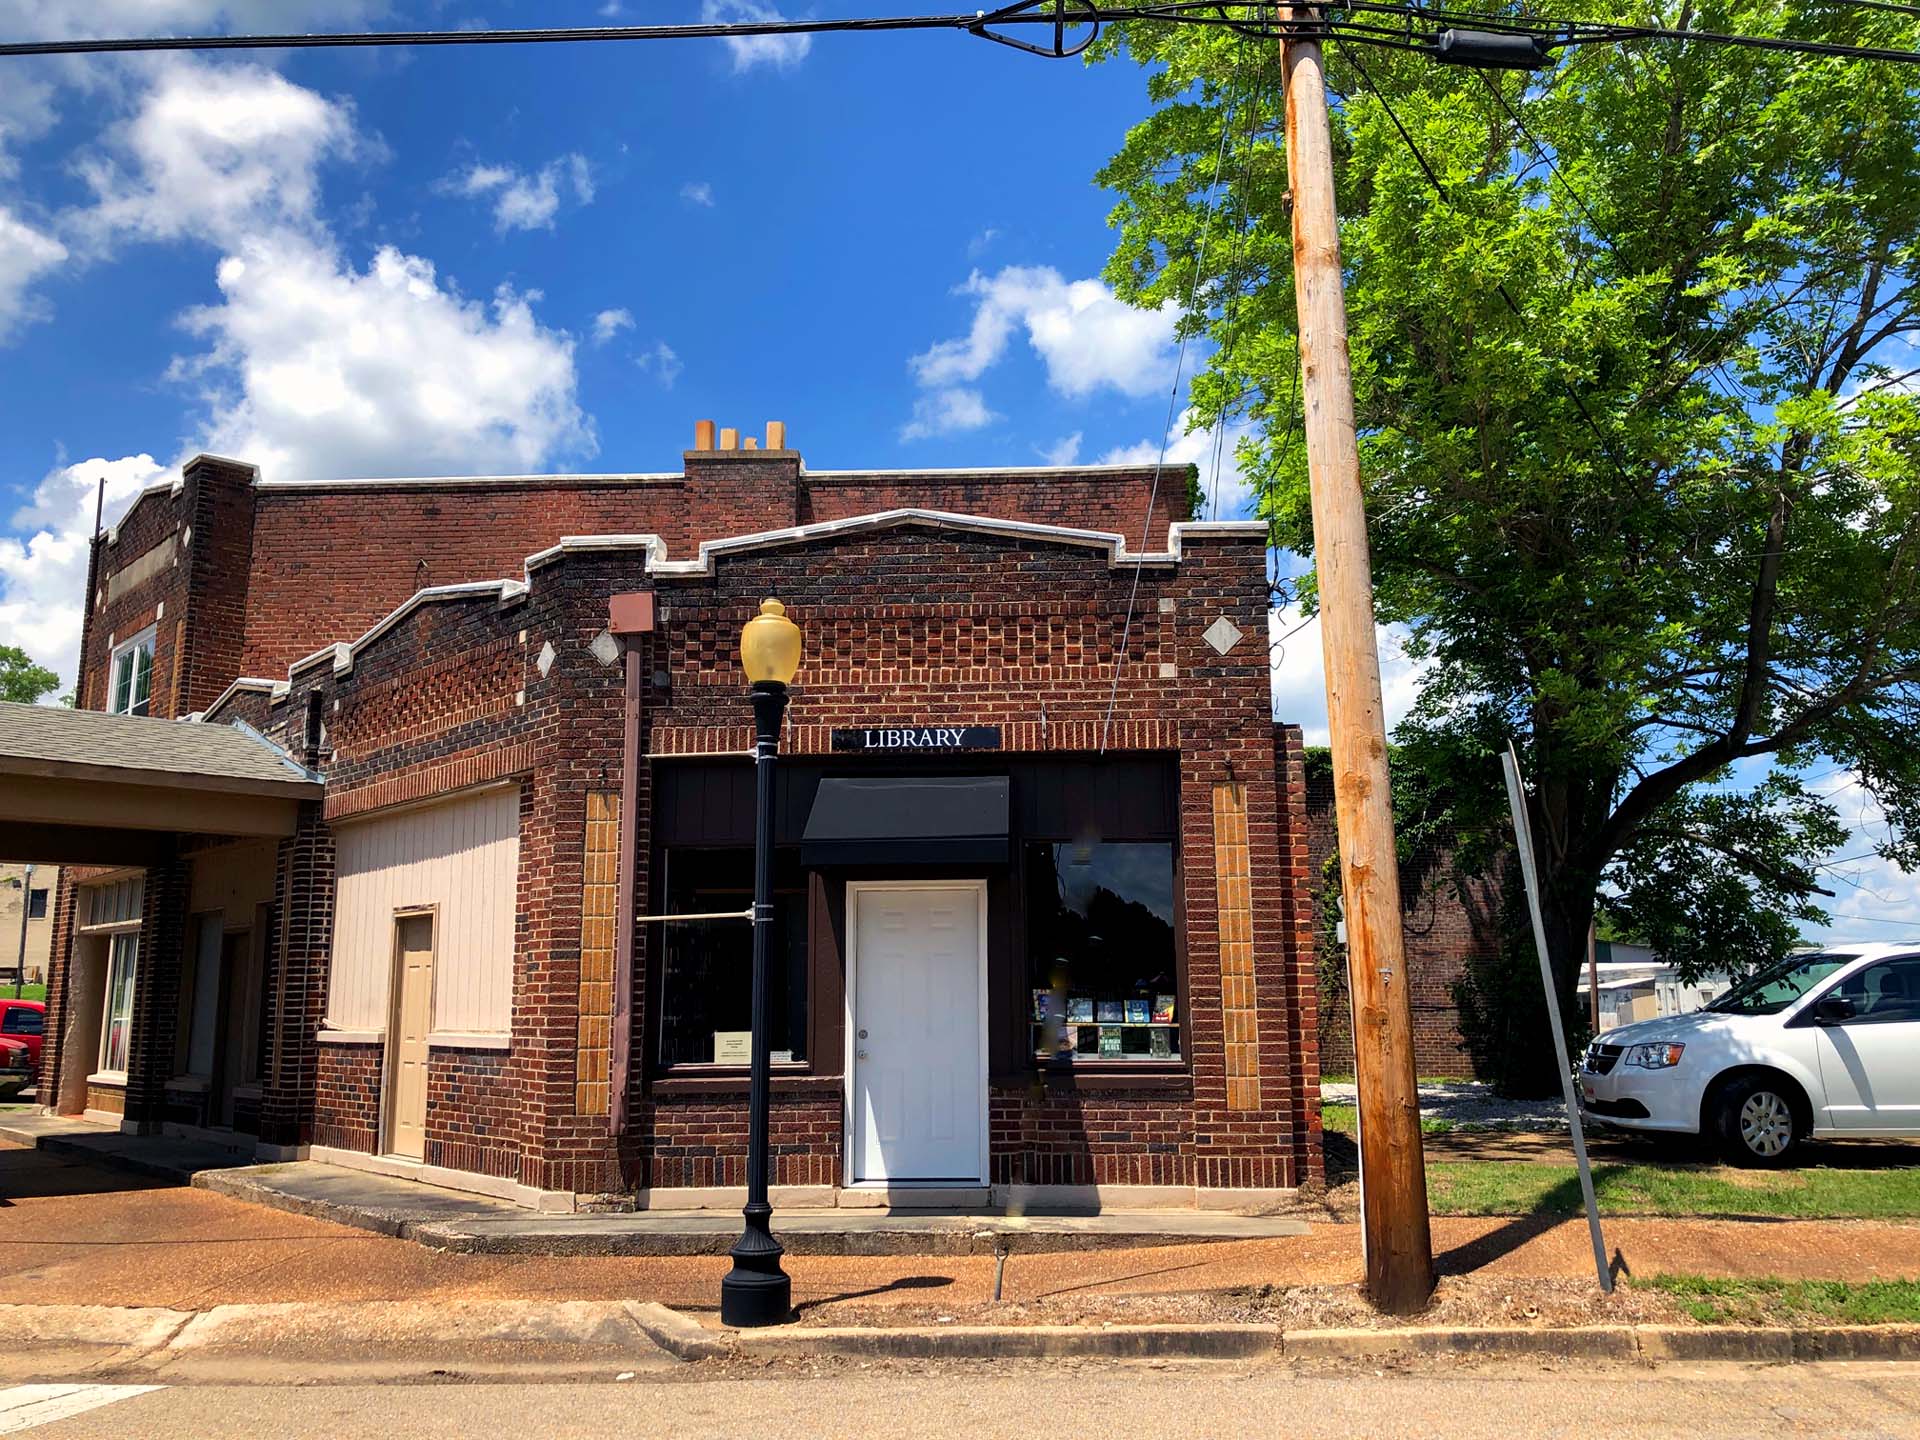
<point x="756" y="1291"/>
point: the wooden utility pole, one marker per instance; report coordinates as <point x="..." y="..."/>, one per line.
<point x="1393" y="1170"/>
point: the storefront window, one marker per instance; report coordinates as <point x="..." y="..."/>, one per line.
<point x="706" y="1000"/>
<point x="117" y="1020"/>
<point x="1101" y="955"/>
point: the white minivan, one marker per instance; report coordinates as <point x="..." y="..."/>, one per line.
<point x="1825" y="1045"/>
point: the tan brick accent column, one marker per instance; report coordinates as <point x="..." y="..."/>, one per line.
<point x="599" y="875"/>
<point x="1234" y="879"/>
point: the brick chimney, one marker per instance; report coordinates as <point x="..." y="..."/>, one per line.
<point x="736" y="488"/>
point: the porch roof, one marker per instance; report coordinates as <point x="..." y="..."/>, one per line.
<point x="85" y="787"/>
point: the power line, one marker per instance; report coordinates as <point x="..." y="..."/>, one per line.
<point x="1083" y="18"/>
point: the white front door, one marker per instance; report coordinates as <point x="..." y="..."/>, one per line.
<point x="917" y="997"/>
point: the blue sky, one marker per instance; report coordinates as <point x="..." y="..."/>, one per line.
<point x="500" y="259"/>
<point x="535" y="258"/>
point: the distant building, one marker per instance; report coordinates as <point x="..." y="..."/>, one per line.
<point x="26" y="898"/>
<point x="1636" y="985"/>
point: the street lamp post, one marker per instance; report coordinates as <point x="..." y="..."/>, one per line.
<point x="756" y="1291"/>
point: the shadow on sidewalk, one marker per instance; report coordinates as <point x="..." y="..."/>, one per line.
<point x="905" y="1282"/>
<point x="39" y="1175"/>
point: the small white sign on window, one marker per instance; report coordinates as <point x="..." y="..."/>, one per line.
<point x="732" y="1047"/>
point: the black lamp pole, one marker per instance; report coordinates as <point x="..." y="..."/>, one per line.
<point x="756" y="1291"/>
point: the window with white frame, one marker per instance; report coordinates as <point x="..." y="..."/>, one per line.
<point x="111" y="920"/>
<point x="116" y="1020"/>
<point x="132" y="692"/>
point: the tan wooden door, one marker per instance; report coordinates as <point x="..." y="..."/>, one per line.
<point x="407" y="1034"/>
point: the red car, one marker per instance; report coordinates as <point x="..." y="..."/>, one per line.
<point x="17" y="1071"/>
<point x="26" y="1022"/>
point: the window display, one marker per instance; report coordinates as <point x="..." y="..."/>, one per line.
<point x="1101" y="954"/>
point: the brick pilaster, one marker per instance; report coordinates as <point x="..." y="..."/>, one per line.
<point x="303" y="943"/>
<point x="156" y="991"/>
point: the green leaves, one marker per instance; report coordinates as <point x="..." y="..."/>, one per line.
<point x="1637" y="423"/>
<point x="22" y="681"/>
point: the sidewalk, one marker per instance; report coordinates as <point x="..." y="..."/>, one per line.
<point x="454" y="1220"/>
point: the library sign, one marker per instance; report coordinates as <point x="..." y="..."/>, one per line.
<point x="919" y="737"/>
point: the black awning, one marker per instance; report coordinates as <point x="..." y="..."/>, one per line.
<point x="936" y="820"/>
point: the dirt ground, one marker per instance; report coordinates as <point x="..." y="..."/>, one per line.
<point x="72" y="1233"/>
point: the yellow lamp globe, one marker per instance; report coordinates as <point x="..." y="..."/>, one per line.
<point x="770" y="645"/>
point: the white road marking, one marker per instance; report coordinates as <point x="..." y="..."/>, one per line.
<point x="22" y="1407"/>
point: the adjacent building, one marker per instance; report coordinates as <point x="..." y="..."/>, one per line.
<point x="26" y="921"/>
<point x="393" y="898"/>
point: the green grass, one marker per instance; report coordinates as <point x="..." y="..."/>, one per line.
<point x="1791" y="1302"/>
<point x="1345" y="1120"/>
<point x="27" y="992"/>
<point x="1497" y="1187"/>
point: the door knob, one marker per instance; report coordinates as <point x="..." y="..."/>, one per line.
<point x="859" y="1054"/>
<point x="863" y="1034"/>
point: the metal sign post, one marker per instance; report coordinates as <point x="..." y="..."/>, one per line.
<point x="1523" y="835"/>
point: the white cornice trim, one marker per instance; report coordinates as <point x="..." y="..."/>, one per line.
<point x="654" y="547"/>
<point x="375" y="482"/>
<point x="247" y="682"/>
<point x="655" y="562"/>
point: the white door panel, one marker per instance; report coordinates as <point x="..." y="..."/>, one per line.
<point x="918" y="1075"/>
<point x="1870" y="1065"/>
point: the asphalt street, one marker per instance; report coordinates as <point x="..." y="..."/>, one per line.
<point x="1139" y="1401"/>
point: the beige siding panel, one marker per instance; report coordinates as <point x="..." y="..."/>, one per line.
<point x="462" y="856"/>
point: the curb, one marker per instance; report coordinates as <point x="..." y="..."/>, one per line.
<point x="679" y="1335"/>
<point x="235" y="1184"/>
<point x="123" y="1336"/>
<point x="1025" y="1342"/>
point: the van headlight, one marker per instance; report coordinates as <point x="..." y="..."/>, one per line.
<point x="1653" y="1057"/>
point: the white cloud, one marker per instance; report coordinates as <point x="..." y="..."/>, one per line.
<point x="43" y="562"/>
<point x="311" y="364"/>
<point x="609" y="323"/>
<point x="978" y="245"/>
<point x="1873" y="898"/>
<point x="697" y="192"/>
<point x="947" y="411"/>
<point x="660" y="362"/>
<point x="1088" y="339"/>
<point x="1063" y="451"/>
<point x="522" y="200"/>
<point x="1299" y="674"/>
<point x="316" y="368"/>
<point x="26" y="256"/>
<point x="1224" y="488"/>
<point x="215" y="152"/>
<point x="782" y="52"/>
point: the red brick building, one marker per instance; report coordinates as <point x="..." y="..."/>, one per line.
<point x="1043" y="921"/>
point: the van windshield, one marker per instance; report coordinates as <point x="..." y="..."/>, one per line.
<point x="1769" y="991"/>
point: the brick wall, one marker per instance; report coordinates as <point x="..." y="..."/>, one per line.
<point x="473" y="1112"/>
<point x="320" y="573"/>
<point x="349" y="1078"/>
<point x="1446" y="919"/>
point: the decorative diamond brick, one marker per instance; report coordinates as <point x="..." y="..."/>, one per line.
<point x="1223" y="635"/>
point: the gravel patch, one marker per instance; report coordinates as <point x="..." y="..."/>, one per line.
<point x="1470" y="1105"/>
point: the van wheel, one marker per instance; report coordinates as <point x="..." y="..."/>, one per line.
<point x="1755" y="1123"/>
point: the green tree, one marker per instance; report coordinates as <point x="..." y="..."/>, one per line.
<point x="21" y="680"/>
<point x="1642" y="453"/>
